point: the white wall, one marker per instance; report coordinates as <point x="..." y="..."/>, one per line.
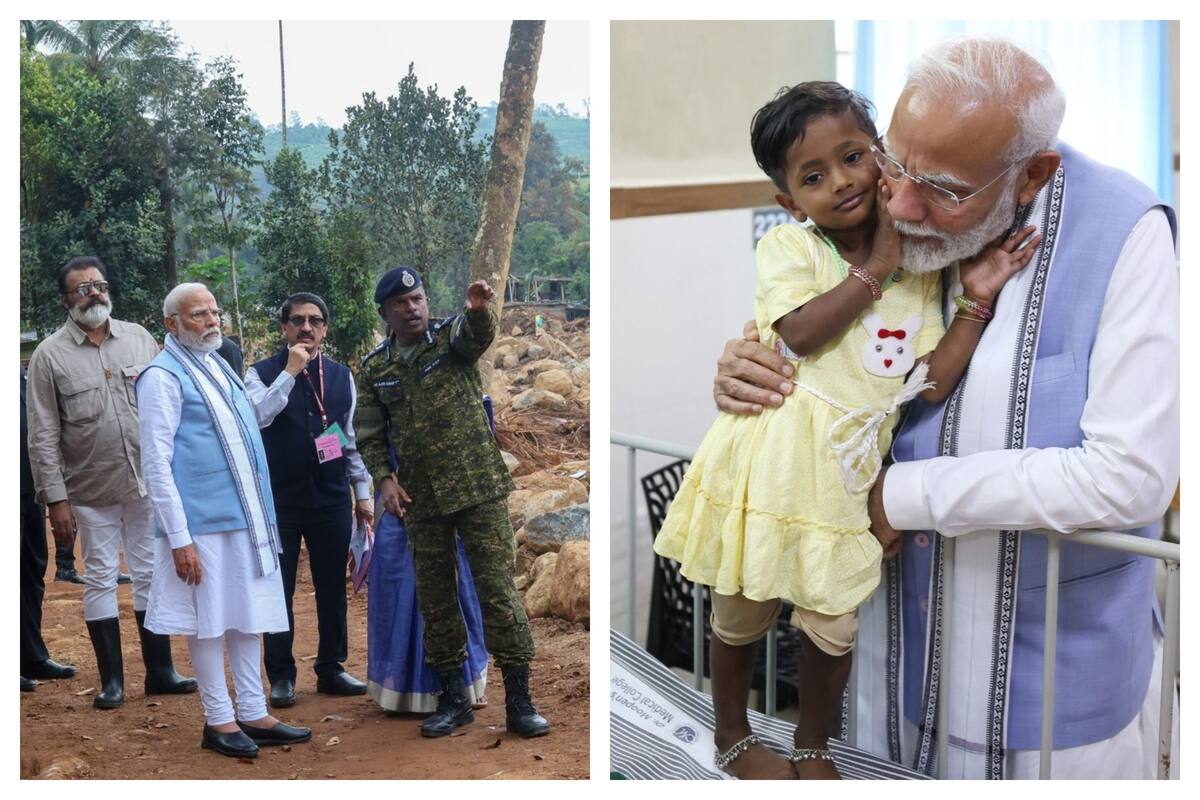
<point x="683" y="94"/>
<point x="682" y="285"/>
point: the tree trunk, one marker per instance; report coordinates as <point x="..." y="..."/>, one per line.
<point x="166" y="203"/>
<point x="282" y="86"/>
<point x="237" y="311"/>
<point x="506" y="172"/>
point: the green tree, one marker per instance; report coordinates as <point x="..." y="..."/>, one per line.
<point x="86" y="188"/>
<point x="289" y="240"/>
<point x="98" y="44"/>
<point x="549" y="190"/>
<point x="409" y="163"/>
<point x="231" y="144"/>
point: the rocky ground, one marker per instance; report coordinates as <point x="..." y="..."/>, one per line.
<point x="541" y="393"/>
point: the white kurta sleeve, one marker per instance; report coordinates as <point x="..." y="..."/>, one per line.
<point x="360" y="479"/>
<point x="1124" y="473"/>
<point x="266" y="401"/>
<point x="160" y="402"/>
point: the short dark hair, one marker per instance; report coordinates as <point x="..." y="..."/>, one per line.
<point x="782" y="121"/>
<point x="299" y="299"/>
<point x="77" y="264"/>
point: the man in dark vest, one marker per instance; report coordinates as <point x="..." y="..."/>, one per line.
<point x="305" y="406"/>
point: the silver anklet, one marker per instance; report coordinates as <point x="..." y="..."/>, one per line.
<point x="723" y="760"/>
<point x="809" y="753"/>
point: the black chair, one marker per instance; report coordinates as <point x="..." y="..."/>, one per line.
<point x="669" y="634"/>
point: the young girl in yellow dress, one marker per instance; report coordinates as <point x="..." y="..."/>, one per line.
<point x="774" y="506"/>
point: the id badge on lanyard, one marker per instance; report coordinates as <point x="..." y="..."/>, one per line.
<point x="329" y="443"/>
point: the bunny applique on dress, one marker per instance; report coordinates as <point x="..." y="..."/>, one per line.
<point x="774" y="505"/>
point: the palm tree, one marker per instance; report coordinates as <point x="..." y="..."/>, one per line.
<point x="32" y="31"/>
<point x="98" y="43"/>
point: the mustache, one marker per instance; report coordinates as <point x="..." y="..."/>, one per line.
<point x="915" y="229"/>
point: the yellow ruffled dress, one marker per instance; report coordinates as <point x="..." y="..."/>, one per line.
<point x="763" y="509"/>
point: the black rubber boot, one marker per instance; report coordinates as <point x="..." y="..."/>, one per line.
<point x="520" y="715"/>
<point x="161" y="677"/>
<point x="106" y="640"/>
<point x="453" y="708"/>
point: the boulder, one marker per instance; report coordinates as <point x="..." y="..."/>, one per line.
<point x="581" y="373"/>
<point x="541" y="586"/>
<point x="516" y="331"/>
<point x="548" y="533"/>
<point x="542" y="492"/>
<point x="535" y="352"/>
<point x="66" y="767"/>
<point x="510" y="461"/>
<point x="535" y="368"/>
<point x="525" y="559"/>
<point x="510" y="360"/>
<point x="557" y="381"/>
<point x="570" y="592"/>
<point x="539" y="398"/>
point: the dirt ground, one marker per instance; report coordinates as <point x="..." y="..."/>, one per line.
<point x="159" y="737"/>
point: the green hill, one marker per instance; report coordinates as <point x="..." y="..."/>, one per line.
<point x="572" y="134"/>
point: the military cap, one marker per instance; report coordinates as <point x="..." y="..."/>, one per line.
<point x="397" y="281"/>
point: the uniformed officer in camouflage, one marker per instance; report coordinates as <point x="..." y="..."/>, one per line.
<point x="421" y="391"/>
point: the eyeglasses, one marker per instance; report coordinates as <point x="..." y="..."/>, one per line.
<point x="941" y="197"/>
<point x="299" y="321"/>
<point x="85" y="288"/>
<point x="200" y="316"/>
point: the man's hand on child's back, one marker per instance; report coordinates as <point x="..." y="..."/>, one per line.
<point x="750" y="375"/>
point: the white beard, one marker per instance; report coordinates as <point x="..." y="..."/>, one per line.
<point x="205" y="343"/>
<point x="93" y="317"/>
<point x="942" y="249"/>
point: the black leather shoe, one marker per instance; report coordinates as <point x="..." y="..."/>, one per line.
<point x="343" y="683"/>
<point x="28" y="685"/>
<point x="48" y="670"/>
<point x="67" y="575"/>
<point x="520" y="715"/>
<point x="124" y="577"/>
<point x="453" y="708"/>
<point x="282" y="733"/>
<point x="106" y="641"/>
<point x="235" y="744"/>
<point x="161" y="677"/>
<point x="283" y="694"/>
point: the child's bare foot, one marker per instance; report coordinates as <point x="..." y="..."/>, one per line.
<point x="756" y="762"/>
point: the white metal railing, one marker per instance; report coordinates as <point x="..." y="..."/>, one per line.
<point x="1136" y="545"/>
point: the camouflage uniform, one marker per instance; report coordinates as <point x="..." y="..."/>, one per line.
<point x="429" y="406"/>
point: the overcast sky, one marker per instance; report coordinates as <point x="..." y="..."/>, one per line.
<point x="331" y="64"/>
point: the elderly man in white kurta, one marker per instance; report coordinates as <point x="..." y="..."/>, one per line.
<point x="1067" y="419"/>
<point x="216" y="577"/>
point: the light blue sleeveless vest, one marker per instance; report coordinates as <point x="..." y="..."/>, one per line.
<point x="1106" y="599"/>
<point x="202" y="474"/>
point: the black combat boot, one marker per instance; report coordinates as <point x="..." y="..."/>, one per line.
<point x="161" y="677"/>
<point x="520" y="715"/>
<point x="453" y="708"/>
<point x="106" y="640"/>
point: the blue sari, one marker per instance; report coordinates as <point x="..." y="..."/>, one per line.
<point x="397" y="675"/>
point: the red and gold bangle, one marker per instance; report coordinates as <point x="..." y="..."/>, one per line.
<point x="977" y="310"/>
<point x="866" y="277"/>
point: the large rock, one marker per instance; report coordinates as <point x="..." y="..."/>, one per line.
<point x="537" y="597"/>
<point x="535" y="368"/>
<point x="571" y="590"/>
<point x="510" y="461"/>
<point x="581" y="373"/>
<point x="541" y="492"/>
<point x="547" y="533"/>
<point x="536" y="351"/>
<point x="66" y="767"/>
<point x="539" y="398"/>
<point x="510" y="360"/>
<point x="524" y="565"/>
<point x="557" y="381"/>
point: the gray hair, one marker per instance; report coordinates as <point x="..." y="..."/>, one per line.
<point x="996" y="71"/>
<point x="175" y="297"/>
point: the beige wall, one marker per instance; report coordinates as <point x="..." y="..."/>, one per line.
<point x="683" y="94"/>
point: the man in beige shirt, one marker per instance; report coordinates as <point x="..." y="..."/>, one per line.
<point x="83" y="447"/>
